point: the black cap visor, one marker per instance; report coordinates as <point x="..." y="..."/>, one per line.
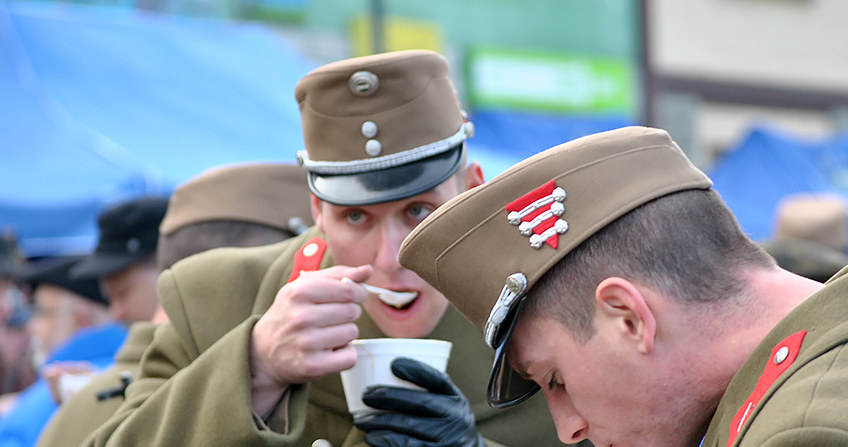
<point x="506" y="387"/>
<point x="386" y="185"/>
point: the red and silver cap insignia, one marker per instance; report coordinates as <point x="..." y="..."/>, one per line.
<point x="536" y="214"/>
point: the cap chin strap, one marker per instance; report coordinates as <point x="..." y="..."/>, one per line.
<point x="386" y="161"/>
<point x="513" y="289"/>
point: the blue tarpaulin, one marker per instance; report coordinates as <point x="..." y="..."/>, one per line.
<point x="522" y="134"/>
<point x="100" y="104"/>
<point x="768" y="165"/>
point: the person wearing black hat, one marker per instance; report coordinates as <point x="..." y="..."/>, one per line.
<point x="70" y="325"/>
<point x="257" y="337"/>
<point x="125" y="258"/>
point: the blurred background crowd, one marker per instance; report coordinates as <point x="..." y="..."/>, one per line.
<point x="104" y="102"/>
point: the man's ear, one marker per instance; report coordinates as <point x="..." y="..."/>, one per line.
<point x="473" y="175"/>
<point x="315" y="206"/>
<point x="624" y="307"/>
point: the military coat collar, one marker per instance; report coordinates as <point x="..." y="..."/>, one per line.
<point x="824" y="317"/>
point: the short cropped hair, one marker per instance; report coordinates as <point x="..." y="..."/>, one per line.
<point x="202" y="236"/>
<point x="687" y="245"/>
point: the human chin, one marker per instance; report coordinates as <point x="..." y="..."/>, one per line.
<point x="416" y="320"/>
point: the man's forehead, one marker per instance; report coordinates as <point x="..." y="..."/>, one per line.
<point x="46" y="292"/>
<point x="521" y="350"/>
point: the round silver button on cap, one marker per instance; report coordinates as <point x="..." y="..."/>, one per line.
<point x="369" y="129"/>
<point x="373" y="147"/>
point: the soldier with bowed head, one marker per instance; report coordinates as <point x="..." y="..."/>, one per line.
<point x="607" y="273"/>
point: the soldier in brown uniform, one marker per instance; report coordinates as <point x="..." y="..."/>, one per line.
<point x="225" y="206"/>
<point x="257" y="336"/>
<point x="607" y="273"/>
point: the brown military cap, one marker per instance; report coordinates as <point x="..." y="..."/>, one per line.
<point x="380" y="128"/>
<point x="271" y="194"/>
<point x="518" y="225"/>
<point x="819" y="217"/>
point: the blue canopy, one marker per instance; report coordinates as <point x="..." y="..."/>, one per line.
<point x="769" y="165"/>
<point x="521" y="134"/>
<point x="101" y="104"/>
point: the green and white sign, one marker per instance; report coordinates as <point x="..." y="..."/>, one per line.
<point x="550" y="81"/>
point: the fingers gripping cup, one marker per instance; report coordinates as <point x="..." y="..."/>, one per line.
<point x="374" y="360"/>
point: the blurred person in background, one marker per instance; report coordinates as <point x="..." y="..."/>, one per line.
<point x="257" y="336"/>
<point x="69" y="325"/>
<point x="223" y="207"/>
<point x="125" y="258"/>
<point x="810" y="235"/>
<point x="16" y="370"/>
<point x="123" y="269"/>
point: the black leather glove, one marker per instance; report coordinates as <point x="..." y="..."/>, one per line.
<point x="438" y="417"/>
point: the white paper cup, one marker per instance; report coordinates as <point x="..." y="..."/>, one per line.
<point x="71" y="382"/>
<point x="374" y="360"/>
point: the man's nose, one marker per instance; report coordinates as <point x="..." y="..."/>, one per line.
<point x="571" y="426"/>
<point x="391" y="236"/>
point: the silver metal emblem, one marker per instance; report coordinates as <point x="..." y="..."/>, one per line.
<point x="516" y="283"/>
<point x="515" y="286"/>
<point x="363" y="83"/>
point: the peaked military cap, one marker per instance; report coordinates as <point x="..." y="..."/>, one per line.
<point x="380" y="128"/>
<point x="522" y="222"/>
<point x="270" y="194"/>
<point x="129" y="232"/>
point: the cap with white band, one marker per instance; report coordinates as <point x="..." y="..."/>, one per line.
<point x="380" y="128"/>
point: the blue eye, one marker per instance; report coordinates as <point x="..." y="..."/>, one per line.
<point x="419" y="211"/>
<point x="355" y="216"/>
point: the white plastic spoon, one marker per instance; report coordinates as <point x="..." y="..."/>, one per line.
<point x="390" y="297"/>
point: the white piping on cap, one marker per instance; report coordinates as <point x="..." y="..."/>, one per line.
<point x="386" y="161"/>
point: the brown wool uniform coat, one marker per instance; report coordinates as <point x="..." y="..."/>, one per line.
<point x="213" y="301"/>
<point x="807" y="404"/>
<point x="80" y="415"/>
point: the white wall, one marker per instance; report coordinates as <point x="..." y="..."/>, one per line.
<point x="793" y="43"/>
